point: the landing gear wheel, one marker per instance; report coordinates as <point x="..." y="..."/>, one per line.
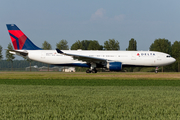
<point x="88" y="71"/>
<point x="156" y="70"/>
<point x="94" y="71"/>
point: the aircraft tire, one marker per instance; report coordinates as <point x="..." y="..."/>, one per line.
<point x="94" y="71"/>
<point x="88" y="71"/>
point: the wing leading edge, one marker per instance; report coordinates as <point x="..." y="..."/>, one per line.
<point x="84" y="58"/>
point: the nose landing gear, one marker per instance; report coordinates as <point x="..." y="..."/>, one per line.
<point x="156" y="70"/>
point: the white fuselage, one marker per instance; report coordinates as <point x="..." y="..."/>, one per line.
<point x="129" y="58"/>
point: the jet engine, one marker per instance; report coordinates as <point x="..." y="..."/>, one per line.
<point x="114" y="66"/>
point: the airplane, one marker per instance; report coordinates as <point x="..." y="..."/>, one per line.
<point x="92" y="59"/>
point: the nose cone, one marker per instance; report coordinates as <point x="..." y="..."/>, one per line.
<point x="173" y="60"/>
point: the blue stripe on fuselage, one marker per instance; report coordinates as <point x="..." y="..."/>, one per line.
<point x="74" y="64"/>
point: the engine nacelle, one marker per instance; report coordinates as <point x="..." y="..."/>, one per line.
<point x="114" y="66"/>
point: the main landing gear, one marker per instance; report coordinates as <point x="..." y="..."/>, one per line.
<point x="91" y="71"/>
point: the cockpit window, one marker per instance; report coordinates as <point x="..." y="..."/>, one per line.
<point x="168" y="56"/>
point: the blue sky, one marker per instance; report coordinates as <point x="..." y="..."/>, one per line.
<point x="143" y="20"/>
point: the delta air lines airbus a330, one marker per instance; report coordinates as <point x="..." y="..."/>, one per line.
<point x="92" y="59"/>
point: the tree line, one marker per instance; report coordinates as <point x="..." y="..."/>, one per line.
<point x="161" y="45"/>
<point x="19" y="65"/>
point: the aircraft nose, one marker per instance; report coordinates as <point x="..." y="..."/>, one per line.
<point x="173" y="59"/>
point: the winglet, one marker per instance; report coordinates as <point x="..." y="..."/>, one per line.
<point x="59" y="51"/>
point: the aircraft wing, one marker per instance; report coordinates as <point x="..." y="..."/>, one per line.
<point x="87" y="59"/>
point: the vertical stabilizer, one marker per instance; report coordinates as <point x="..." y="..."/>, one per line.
<point x="19" y="39"/>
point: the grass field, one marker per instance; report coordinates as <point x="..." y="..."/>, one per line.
<point x="51" y="95"/>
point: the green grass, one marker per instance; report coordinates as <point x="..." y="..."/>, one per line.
<point x="89" y="96"/>
<point x="102" y="76"/>
<point x="89" y="102"/>
<point x="90" y="82"/>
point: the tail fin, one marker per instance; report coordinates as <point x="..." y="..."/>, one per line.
<point x="19" y="39"/>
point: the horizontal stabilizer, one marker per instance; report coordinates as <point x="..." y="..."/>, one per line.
<point x="22" y="53"/>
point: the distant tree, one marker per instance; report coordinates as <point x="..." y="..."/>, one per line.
<point x="76" y="45"/>
<point x="94" y="45"/>
<point x="132" y="45"/>
<point x="176" y="54"/>
<point x="112" y="44"/>
<point x="83" y="45"/>
<point x="176" y="50"/>
<point x="1" y="56"/>
<point x="161" y="45"/>
<point x="46" y="46"/>
<point x="87" y="45"/>
<point x="9" y="56"/>
<point x="62" y="45"/>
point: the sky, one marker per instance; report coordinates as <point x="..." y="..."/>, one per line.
<point x="72" y="20"/>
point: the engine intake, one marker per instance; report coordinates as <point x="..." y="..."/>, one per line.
<point x="114" y="66"/>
